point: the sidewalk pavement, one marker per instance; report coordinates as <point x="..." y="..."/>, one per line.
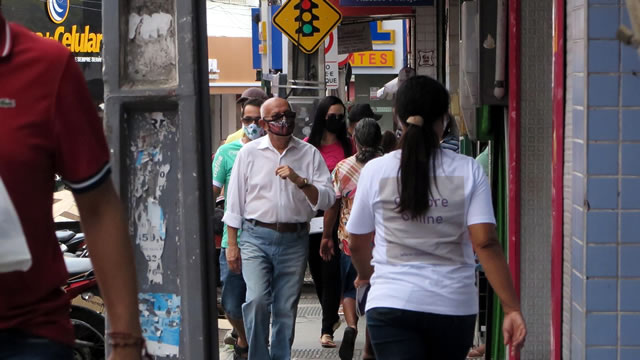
<point x="306" y="345"/>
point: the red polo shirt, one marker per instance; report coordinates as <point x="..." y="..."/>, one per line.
<point x="48" y="125"/>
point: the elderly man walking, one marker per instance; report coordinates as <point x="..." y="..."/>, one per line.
<point x="277" y="184"/>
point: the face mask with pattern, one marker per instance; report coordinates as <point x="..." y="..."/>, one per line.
<point x="282" y="124"/>
<point x="253" y="131"/>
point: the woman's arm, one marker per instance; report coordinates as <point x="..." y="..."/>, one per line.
<point x="361" y="254"/>
<point x="326" y="244"/>
<point x="486" y="245"/>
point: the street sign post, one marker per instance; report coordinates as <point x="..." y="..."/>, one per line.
<point x="331" y="61"/>
<point x="307" y="22"/>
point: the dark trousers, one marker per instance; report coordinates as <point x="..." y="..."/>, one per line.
<point x="403" y="334"/>
<point x="16" y="345"/>
<point x="326" y="278"/>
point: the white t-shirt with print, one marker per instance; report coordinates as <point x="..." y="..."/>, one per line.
<point x="426" y="264"/>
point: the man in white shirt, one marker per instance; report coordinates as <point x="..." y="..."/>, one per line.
<point x="277" y="184"/>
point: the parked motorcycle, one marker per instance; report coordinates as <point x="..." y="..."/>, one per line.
<point x="74" y="243"/>
<point x="88" y="324"/>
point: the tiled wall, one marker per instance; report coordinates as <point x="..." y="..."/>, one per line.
<point x="604" y="108"/>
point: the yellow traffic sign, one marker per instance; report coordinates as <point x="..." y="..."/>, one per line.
<point x="307" y="22"/>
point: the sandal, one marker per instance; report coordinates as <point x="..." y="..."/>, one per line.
<point x="326" y="341"/>
<point x="348" y="343"/>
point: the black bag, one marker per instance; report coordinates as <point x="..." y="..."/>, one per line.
<point x="218" y="225"/>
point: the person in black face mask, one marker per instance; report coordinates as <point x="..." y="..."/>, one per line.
<point x="329" y="132"/>
<point x="329" y="136"/>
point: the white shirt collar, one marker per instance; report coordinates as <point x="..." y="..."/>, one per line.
<point x="265" y="142"/>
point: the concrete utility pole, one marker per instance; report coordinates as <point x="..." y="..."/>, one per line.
<point x="157" y="111"/>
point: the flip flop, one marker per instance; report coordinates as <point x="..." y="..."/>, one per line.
<point x="348" y="343"/>
<point x="326" y="341"/>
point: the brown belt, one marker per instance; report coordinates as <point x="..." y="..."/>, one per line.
<point x="281" y="227"/>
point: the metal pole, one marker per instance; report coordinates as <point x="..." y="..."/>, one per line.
<point x="157" y="112"/>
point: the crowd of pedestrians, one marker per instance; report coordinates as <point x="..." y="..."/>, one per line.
<point x="420" y="215"/>
<point x="400" y="237"/>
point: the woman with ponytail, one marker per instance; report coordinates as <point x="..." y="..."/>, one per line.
<point x="426" y="208"/>
<point x="345" y="181"/>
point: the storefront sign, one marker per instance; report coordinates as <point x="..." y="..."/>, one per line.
<point x="388" y="53"/>
<point x="77" y="42"/>
<point x="58" y="10"/>
<point x="386" y="3"/>
<point x="375" y="58"/>
<point x="76" y="24"/>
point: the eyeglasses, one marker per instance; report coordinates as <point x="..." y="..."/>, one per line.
<point x="250" y="119"/>
<point x="289" y="115"/>
<point x="335" y="117"/>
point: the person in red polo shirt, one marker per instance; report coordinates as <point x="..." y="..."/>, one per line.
<point x="49" y="125"/>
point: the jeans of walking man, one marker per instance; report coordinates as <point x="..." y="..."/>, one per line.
<point x="277" y="184"/>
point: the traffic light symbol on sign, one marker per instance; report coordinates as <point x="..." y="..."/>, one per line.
<point x="307" y="22"/>
<point x="306" y="18"/>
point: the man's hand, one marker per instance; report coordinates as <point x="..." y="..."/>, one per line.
<point x="514" y="331"/>
<point x="285" y="172"/>
<point x="326" y="248"/>
<point x="233" y="259"/>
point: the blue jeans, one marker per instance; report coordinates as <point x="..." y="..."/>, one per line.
<point x="234" y="289"/>
<point x="17" y="345"/>
<point x="273" y="266"/>
<point x="398" y="334"/>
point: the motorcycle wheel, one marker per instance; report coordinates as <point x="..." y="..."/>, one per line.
<point x="88" y="326"/>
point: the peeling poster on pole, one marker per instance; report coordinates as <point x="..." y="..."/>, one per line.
<point x="152" y="158"/>
<point x="160" y="319"/>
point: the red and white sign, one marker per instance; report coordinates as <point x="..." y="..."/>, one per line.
<point x="331" y="76"/>
<point x="343" y="59"/>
